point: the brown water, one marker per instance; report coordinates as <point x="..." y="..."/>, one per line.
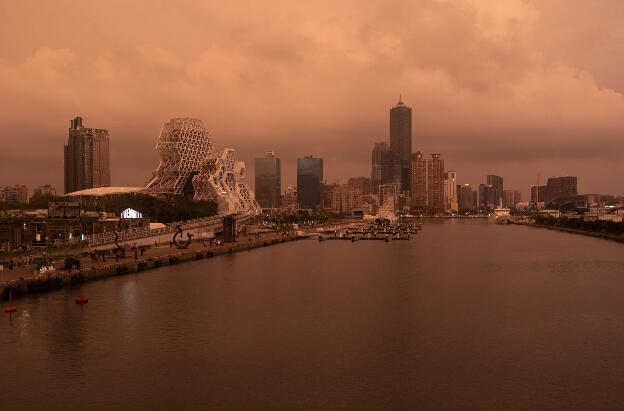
<point x="468" y="315"/>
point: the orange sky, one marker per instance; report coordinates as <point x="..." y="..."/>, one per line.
<point x="511" y="87"/>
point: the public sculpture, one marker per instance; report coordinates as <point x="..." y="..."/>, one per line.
<point x="189" y="165"/>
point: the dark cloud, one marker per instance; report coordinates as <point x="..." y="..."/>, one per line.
<point x="508" y="86"/>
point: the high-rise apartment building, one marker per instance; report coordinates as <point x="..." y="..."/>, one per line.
<point x="427" y="184"/>
<point x="560" y="187"/>
<point x="388" y="197"/>
<point x="268" y="180"/>
<point x="87" y="159"/>
<point x="497" y="188"/>
<point x="517" y="197"/>
<point x="487" y="196"/>
<point x="386" y="166"/>
<point x="14" y="194"/>
<point x="309" y="179"/>
<point x="363" y="184"/>
<point x="464" y="197"/>
<point x="342" y="199"/>
<point x="508" y="198"/>
<point x="401" y="140"/>
<point x="450" y="191"/>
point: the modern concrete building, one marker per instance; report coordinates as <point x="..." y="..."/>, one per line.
<point x="268" y="180"/>
<point x="508" y="198"/>
<point x="560" y="187"/>
<point x="401" y="140"/>
<point x="487" y="197"/>
<point x="386" y="167"/>
<point x="427" y="184"/>
<point x="289" y="199"/>
<point x="388" y="197"/>
<point x="450" y="191"/>
<point x="87" y="158"/>
<point x="14" y="194"/>
<point x="309" y="179"/>
<point x="464" y="197"/>
<point x="44" y="191"/>
<point x="517" y="197"/>
<point x="342" y="199"/>
<point x="363" y="184"/>
<point x="497" y="188"/>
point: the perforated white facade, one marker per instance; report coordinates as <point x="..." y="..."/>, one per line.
<point x="188" y="163"/>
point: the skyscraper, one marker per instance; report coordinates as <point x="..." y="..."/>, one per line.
<point x="309" y="178"/>
<point x="401" y="140"/>
<point x="508" y="198"/>
<point x="386" y="166"/>
<point x="487" y="196"/>
<point x="464" y="197"/>
<point x="497" y="188"/>
<point x="450" y="191"/>
<point x="427" y="184"/>
<point x="87" y="158"/>
<point x="268" y="180"/>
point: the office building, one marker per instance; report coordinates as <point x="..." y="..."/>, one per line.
<point x="388" y="197"/>
<point x="427" y="184"/>
<point x="341" y="199"/>
<point x="560" y="187"/>
<point x="309" y="179"/>
<point x="450" y="191"/>
<point x="464" y="197"/>
<point x="44" y="191"/>
<point x="268" y="180"/>
<point x="87" y="159"/>
<point x="508" y="198"/>
<point x="14" y="194"/>
<point x="363" y="184"/>
<point x="496" y="182"/>
<point x="401" y="140"/>
<point x="517" y="197"/>
<point x="487" y="195"/>
<point x="386" y="167"/>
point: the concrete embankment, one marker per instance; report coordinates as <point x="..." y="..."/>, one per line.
<point x="605" y="236"/>
<point x="60" y="278"/>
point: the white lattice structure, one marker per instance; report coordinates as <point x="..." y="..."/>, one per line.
<point x="222" y="179"/>
<point x="188" y="163"/>
<point x="183" y="145"/>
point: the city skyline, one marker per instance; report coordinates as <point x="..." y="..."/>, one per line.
<point x="515" y="107"/>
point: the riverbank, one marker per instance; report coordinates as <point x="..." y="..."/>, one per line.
<point x="605" y="236"/>
<point x="157" y="257"/>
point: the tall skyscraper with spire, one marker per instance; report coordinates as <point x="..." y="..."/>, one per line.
<point x="401" y="139"/>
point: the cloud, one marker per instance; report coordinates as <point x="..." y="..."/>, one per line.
<point x="482" y="78"/>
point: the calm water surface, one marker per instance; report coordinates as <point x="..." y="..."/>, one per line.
<point x="469" y="315"/>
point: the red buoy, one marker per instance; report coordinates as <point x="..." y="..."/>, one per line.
<point x="81" y="299"/>
<point x="10" y="308"/>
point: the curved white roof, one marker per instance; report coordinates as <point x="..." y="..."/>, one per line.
<point x="104" y="191"/>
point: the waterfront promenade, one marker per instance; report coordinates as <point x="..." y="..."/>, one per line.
<point x="22" y="280"/>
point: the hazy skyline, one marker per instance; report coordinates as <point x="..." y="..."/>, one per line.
<point x="511" y="88"/>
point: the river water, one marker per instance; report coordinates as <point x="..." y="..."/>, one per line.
<point x="468" y="315"/>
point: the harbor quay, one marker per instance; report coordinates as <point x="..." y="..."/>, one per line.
<point x="22" y="281"/>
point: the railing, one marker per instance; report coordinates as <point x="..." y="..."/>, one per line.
<point x="143" y="232"/>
